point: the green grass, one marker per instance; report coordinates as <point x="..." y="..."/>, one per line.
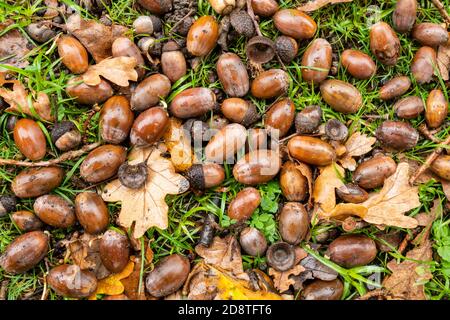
<point x="344" y="26"/>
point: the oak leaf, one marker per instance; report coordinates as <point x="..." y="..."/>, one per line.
<point x="146" y="207"/>
<point x="112" y="285"/>
<point x="131" y="283"/>
<point x="13" y="47"/>
<point x="282" y="280"/>
<point x="357" y="145"/>
<point x="443" y="60"/>
<point x="317" y="4"/>
<point x="330" y="178"/>
<point x="179" y="145"/>
<point x="118" y="70"/>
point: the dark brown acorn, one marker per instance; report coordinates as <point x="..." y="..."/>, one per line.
<point x="202" y="36"/>
<point x="253" y="241"/>
<point x="352" y="193"/>
<point x="352" y="250"/>
<point x="293" y="184"/>
<point x="66" y="136"/>
<point x="193" y="102"/>
<point x="397" y="135"/>
<point x="281" y="256"/>
<point x="26" y="221"/>
<point x="258" y="166"/>
<point x="102" y="163"/>
<point x="404" y="15"/>
<point x="295" y="24"/>
<point x="173" y="62"/>
<point x="91" y="212"/>
<point x="116" y="119"/>
<point x="124" y="47"/>
<point x="158" y="7"/>
<point x="358" y="64"/>
<point x="55" y="211"/>
<point x="244" y="204"/>
<point x="384" y="43"/>
<point x="286" y="48"/>
<point x="226" y="143"/>
<point x="70" y="281"/>
<point x="311" y="150"/>
<point x="394" y="88"/>
<point x="441" y="166"/>
<point x="409" y="107"/>
<point x="73" y="55"/>
<point x="279" y="118"/>
<point x="205" y="176"/>
<point x="308" y="120"/>
<point x="8" y="203"/>
<point x="30" y="139"/>
<point x="264" y="8"/>
<point x="430" y="34"/>
<point x="35" y="182"/>
<point x="149" y="91"/>
<point x="341" y="96"/>
<point x="114" y="250"/>
<point x="232" y="75"/>
<point x="316" y="61"/>
<point x="270" y="84"/>
<point x="437" y="108"/>
<point x="323" y="290"/>
<point x="371" y="173"/>
<point x="423" y="64"/>
<point x="88" y="95"/>
<point x="293" y="223"/>
<point x="240" y="111"/>
<point x="149" y="126"/>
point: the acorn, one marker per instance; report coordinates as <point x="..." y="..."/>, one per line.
<point x="205" y="176"/>
<point x="323" y="290"/>
<point x="226" y="143"/>
<point x="73" y="55"/>
<point x="66" y="136"/>
<point x="116" y="120"/>
<point x="372" y="173"/>
<point x="173" y="62"/>
<point x="114" y="249"/>
<point x="336" y="130"/>
<point x="168" y="276"/>
<point x="223" y="7"/>
<point x="25" y="252"/>
<point x="404" y="15"/>
<point x="206" y="236"/>
<point x="198" y="130"/>
<point x="30" y="139"/>
<point x="11" y="123"/>
<point x="441" y="166"/>
<point x="40" y="31"/>
<point x="430" y="34"/>
<point x="311" y="150"/>
<point x="240" y="111"/>
<point x="286" y="48"/>
<point x="149" y="45"/>
<point x="133" y="176"/>
<point x="281" y="256"/>
<point x="149" y="127"/>
<point x="253" y="241"/>
<point x="244" y="204"/>
<point x="264" y="8"/>
<point x="232" y="75"/>
<point x="147" y="24"/>
<point x="423" y="64"/>
<point x="256" y="139"/>
<point x="352" y="250"/>
<point x="260" y="49"/>
<point x="102" y="163"/>
<point x="149" y="92"/>
<point x="91" y="212"/>
<point x="341" y="96"/>
<point x="26" y="221"/>
<point x="384" y="43"/>
<point x="409" y="107"/>
<point x="242" y="23"/>
<point x="394" y="88"/>
<point x="293" y="223"/>
<point x="55" y="211"/>
<point x="258" y="166"/>
<point x="279" y="118"/>
<point x="397" y="135"/>
<point x="193" y="102"/>
<point x="89" y="95"/>
<point x="437" y="108"/>
<point x="124" y="47"/>
<point x="34" y="182"/>
<point x="295" y="24"/>
<point x="158" y="7"/>
<point x="316" y="56"/>
<point x="293" y="184"/>
<point x="308" y="120"/>
<point x="70" y="281"/>
<point x="270" y="84"/>
<point x="202" y="36"/>
<point x="358" y="64"/>
<point x="352" y="193"/>
<point x="8" y="204"/>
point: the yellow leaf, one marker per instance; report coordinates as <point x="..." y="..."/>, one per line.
<point x="118" y="70"/>
<point x="112" y="285"/>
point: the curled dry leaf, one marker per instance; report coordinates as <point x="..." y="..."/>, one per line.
<point x="327" y="182"/>
<point x="13" y="47"/>
<point x="52" y="9"/>
<point x="357" y="145"/>
<point x="317" y="4"/>
<point x="118" y="70"/>
<point x="306" y="171"/>
<point x="179" y="145"/>
<point x="146" y="207"/>
<point x="131" y="283"/>
<point x="282" y="280"/>
<point x="443" y="60"/>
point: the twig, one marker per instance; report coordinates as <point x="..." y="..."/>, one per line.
<point x="287" y="138"/>
<point x="429" y="160"/>
<point x="438" y="4"/>
<point x="404" y="243"/>
<point x="253" y="17"/>
<point x="375" y="116"/>
<point x="3" y="289"/>
<point x="64" y="157"/>
<point x="427" y="134"/>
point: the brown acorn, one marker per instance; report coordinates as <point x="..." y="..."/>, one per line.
<point x="286" y="48"/>
<point x="55" y="211"/>
<point x="279" y="118"/>
<point x="253" y="241"/>
<point x="352" y="193"/>
<point x="372" y="173"/>
<point x="430" y="34"/>
<point x="384" y="43"/>
<point x="26" y="221"/>
<point x="317" y="56"/>
<point x="124" y="47"/>
<point x="102" y="163"/>
<point x="394" y="88"/>
<point x="226" y="143"/>
<point x="293" y="223"/>
<point x="358" y="64"/>
<point x="173" y="62"/>
<point x="193" y="102"/>
<point x="202" y="36"/>
<point x="204" y="176"/>
<point x="404" y="15"/>
<point x="91" y="212"/>
<point x="232" y="75"/>
<point x="270" y="84"/>
<point x="308" y="120"/>
<point x="323" y="290"/>
<point x="397" y="135"/>
<point x="30" y="139"/>
<point x="149" y="126"/>
<point x="156" y="6"/>
<point x="239" y="111"/>
<point x="264" y="8"/>
<point x="149" y="92"/>
<point x="73" y="55"/>
<point x="66" y="136"/>
<point x="437" y="108"/>
<point x="34" y="182"/>
<point x="311" y="150"/>
<point x="352" y="250"/>
<point x="72" y="282"/>
<point x="256" y="139"/>
<point x="409" y="107"/>
<point x="293" y="184"/>
<point x="244" y="204"/>
<point x="223" y="7"/>
<point x="423" y="64"/>
<point x="89" y="95"/>
<point x="295" y="24"/>
<point x="341" y="96"/>
<point x="116" y="119"/>
<point x="147" y="24"/>
<point x="25" y="252"/>
<point x="441" y="166"/>
<point x="257" y="166"/>
<point x="114" y="250"/>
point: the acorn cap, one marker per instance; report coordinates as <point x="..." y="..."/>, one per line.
<point x="308" y="120"/>
<point x="242" y="22"/>
<point x="286" y="48"/>
<point x="251" y="116"/>
<point x="196" y="177"/>
<point x="133" y="176"/>
<point x="336" y="130"/>
<point x="281" y="256"/>
<point x="260" y="49"/>
<point x="7" y="204"/>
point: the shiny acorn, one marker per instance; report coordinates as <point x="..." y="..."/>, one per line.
<point x="149" y="127"/>
<point x="102" y="163"/>
<point x="437" y="108"/>
<point x="205" y="176"/>
<point x="295" y="24"/>
<point x="72" y="53"/>
<point x="26" y="221"/>
<point x="394" y="88"/>
<point x="430" y="34"/>
<point x="441" y="166"/>
<point x="232" y="75"/>
<point x="293" y="223"/>
<point x="173" y="62"/>
<point x="193" y="102"/>
<point x="202" y="36"/>
<point x="116" y="119"/>
<point x="265" y="8"/>
<point x="423" y="64"/>
<point x="258" y="166"/>
<point x="293" y="184"/>
<point x="149" y="92"/>
<point x="397" y="135"/>
<point x="114" y="249"/>
<point x="72" y="282"/>
<point x="88" y="95"/>
<point x="30" y="139"/>
<point x="253" y="241"/>
<point x="308" y="120"/>
<point x="316" y="56"/>
<point x="352" y="193"/>
<point x="384" y="43"/>
<point x="55" y="211"/>
<point x="244" y="204"/>
<point x="409" y="107"/>
<point x="371" y="173"/>
<point x="311" y="150"/>
<point x="341" y="96"/>
<point x="35" y="182"/>
<point x="358" y="64"/>
<point x="91" y="212"/>
<point x="158" y="7"/>
<point x="279" y="118"/>
<point x="323" y="290"/>
<point x="239" y="111"/>
<point x="353" y="250"/>
<point x="66" y="136"/>
<point x="226" y="143"/>
<point x="270" y="84"/>
<point x="404" y="15"/>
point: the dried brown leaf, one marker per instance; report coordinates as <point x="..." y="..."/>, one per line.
<point x="52" y="9"/>
<point x="306" y="171"/>
<point x="13" y="47"/>
<point x="314" y="5"/>
<point x="357" y="145"/>
<point x="118" y="70"/>
<point x="179" y="146"/>
<point x="146" y="207"/>
<point x="131" y="283"/>
<point x="325" y="185"/>
<point x="443" y="61"/>
<point x="282" y="280"/>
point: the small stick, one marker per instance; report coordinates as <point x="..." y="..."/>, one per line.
<point x="404" y="243"/>
<point x="287" y="138"/>
<point x="438" y="4"/>
<point x="253" y="17"/>
<point x="427" y="134"/>
<point x="64" y="157"/>
<point x="429" y="160"/>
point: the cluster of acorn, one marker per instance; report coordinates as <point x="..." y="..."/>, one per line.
<point x="135" y="113"/>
